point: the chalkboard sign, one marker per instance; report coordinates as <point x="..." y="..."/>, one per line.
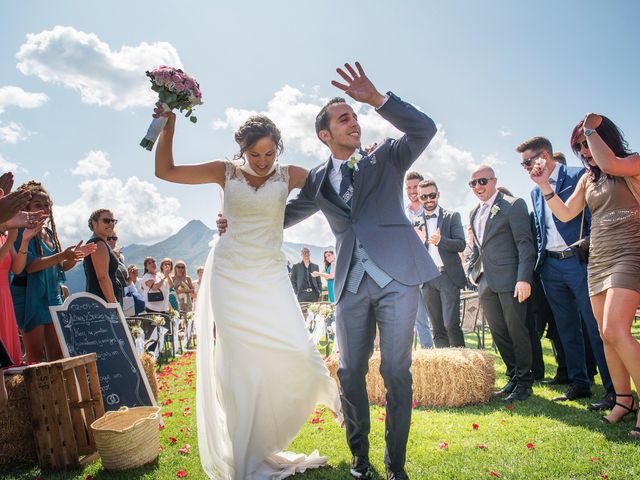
<point x="87" y="324"/>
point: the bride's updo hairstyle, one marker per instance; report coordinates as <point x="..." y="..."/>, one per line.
<point x="255" y="128"/>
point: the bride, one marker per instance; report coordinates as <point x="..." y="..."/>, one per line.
<point x="264" y="377"/>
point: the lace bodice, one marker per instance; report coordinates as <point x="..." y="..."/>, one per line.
<point x="255" y="216"/>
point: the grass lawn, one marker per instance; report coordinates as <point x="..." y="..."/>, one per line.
<point x="536" y="439"/>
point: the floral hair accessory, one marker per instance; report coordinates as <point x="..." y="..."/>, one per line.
<point x="175" y="89"/>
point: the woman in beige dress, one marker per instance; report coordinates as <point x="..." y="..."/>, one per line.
<point x="614" y="256"/>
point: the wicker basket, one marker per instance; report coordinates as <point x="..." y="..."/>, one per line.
<point x="128" y="438"/>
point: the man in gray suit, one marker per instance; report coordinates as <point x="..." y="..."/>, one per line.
<point x="380" y="260"/>
<point x="502" y="266"/>
<point x="443" y="235"/>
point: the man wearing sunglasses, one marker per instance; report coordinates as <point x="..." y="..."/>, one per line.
<point x="443" y="236"/>
<point x="501" y="265"/>
<point x="564" y="277"/>
<point x="415" y="213"/>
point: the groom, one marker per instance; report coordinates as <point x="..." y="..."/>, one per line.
<point x="380" y="260"/>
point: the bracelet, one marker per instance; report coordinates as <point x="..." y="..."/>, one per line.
<point x="549" y="196"/>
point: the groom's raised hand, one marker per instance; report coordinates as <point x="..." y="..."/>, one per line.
<point x="358" y="86"/>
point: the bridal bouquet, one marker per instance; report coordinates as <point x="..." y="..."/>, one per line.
<point x="175" y="89"/>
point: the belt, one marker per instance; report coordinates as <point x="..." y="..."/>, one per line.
<point x="561" y="255"/>
<point x="307" y="289"/>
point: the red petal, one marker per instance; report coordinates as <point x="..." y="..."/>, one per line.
<point x="167" y="414"/>
<point x="443" y="445"/>
<point x="483" y="446"/>
<point x="594" y="459"/>
<point x="493" y="473"/>
<point x="181" y="474"/>
<point x="88" y="477"/>
<point x="530" y="446"/>
<point x="173" y="439"/>
<point x="475" y="426"/>
<point x="509" y="407"/>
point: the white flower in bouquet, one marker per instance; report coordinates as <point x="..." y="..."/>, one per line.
<point x="157" y="320"/>
<point x="175" y="89"/>
<point x="136" y="331"/>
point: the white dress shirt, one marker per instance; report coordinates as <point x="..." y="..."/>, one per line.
<point x="432" y="226"/>
<point x="413" y="215"/>
<point x="555" y="242"/>
<point x="482" y="217"/>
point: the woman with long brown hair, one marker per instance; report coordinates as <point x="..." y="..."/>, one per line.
<point x="607" y="188"/>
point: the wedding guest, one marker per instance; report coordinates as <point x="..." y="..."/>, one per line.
<point x="103" y="269"/>
<point x="328" y="274"/>
<point x="563" y="275"/>
<point x="38" y="266"/>
<point x="197" y="283"/>
<point x="156" y="287"/>
<point x="8" y="326"/>
<point x="134" y="290"/>
<point x="166" y="268"/>
<point x="306" y="287"/>
<point x="502" y="267"/>
<point x="414" y="212"/>
<point x="183" y="286"/>
<point x="443" y="236"/>
<point x="610" y="191"/>
<point x="560" y="158"/>
<point x="112" y="241"/>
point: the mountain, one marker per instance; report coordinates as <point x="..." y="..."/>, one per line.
<point x="190" y="244"/>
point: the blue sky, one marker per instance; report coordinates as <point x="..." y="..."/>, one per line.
<point x="73" y="101"/>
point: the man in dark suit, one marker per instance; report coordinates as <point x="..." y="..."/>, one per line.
<point x="564" y="277"/>
<point x="376" y="282"/>
<point x="307" y="288"/>
<point x="443" y="236"/>
<point x="502" y="266"/>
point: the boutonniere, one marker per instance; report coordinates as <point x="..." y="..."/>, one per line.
<point x="352" y="163"/>
<point x="494" y="210"/>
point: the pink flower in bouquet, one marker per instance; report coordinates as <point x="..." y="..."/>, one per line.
<point x="176" y="90"/>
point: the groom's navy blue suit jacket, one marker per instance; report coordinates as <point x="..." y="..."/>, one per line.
<point x="376" y="217"/>
<point x="568" y="178"/>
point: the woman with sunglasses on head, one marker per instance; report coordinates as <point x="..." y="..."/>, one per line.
<point x="607" y="188"/>
<point x="38" y="265"/>
<point x="183" y="286"/>
<point x="103" y="268"/>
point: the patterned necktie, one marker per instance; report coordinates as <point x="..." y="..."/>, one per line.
<point x="346" y="184"/>
<point x="482" y="222"/>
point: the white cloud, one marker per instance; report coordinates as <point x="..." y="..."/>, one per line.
<point x="82" y="62"/>
<point x="16" y="96"/>
<point x="504" y="132"/>
<point x="95" y="164"/>
<point x="7" y="166"/>
<point x="314" y="230"/>
<point x="144" y="214"/>
<point x="13" y="132"/>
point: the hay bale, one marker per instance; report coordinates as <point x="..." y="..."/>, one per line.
<point x="16" y="433"/>
<point x="445" y="377"/>
<point x="149" y="365"/>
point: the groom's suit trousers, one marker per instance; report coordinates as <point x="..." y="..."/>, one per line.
<point x="393" y="309"/>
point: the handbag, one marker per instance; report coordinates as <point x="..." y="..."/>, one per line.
<point x="581" y="247"/>
<point x="155" y="296"/>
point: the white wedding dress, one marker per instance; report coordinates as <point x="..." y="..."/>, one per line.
<point x="264" y="377"/>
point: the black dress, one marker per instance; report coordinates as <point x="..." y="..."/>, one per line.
<point x="93" y="286"/>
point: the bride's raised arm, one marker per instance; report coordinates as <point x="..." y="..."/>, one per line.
<point x="209" y="172"/>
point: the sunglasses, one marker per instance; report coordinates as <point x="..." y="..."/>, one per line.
<point x="480" y="181"/>
<point x="432" y="196"/>
<point x="528" y="161"/>
<point x="115" y="239"/>
<point x="583" y="143"/>
<point x="180" y="266"/>
<point x="108" y="221"/>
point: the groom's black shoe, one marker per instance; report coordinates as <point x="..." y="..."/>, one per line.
<point x="391" y="475"/>
<point x="361" y="468"/>
<point x="506" y="390"/>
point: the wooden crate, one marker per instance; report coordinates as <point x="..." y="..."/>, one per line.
<point x="65" y="399"/>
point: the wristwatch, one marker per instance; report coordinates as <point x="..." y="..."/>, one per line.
<point x="588" y="132"/>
